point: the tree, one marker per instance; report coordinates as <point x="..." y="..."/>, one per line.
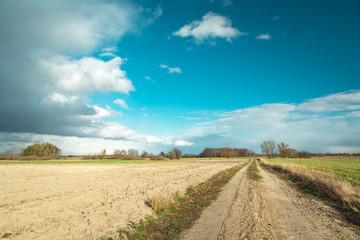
<point x="227" y="152"/>
<point x="117" y="153"/>
<point x="172" y="154"/>
<point x="241" y="152"/>
<point x="103" y="153"/>
<point x="145" y="154"/>
<point x="178" y="153"/>
<point x="284" y="150"/>
<point x="268" y="148"/>
<point x="162" y="154"/>
<point x="123" y="153"/>
<point x="43" y="149"/>
<point x="133" y="152"/>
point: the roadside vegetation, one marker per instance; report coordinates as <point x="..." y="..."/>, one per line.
<point x="253" y="172"/>
<point x="336" y="192"/>
<point x="346" y="169"/>
<point x="178" y="212"/>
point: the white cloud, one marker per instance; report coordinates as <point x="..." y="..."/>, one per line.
<point x="191" y="118"/>
<point x="107" y="54"/>
<point x="150" y="79"/>
<point x="15" y="142"/>
<point x="87" y="74"/>
<point x="211" y="26"/>
<point x="61" y="99"/>
<point x="151" y="14"/>
<point x="121" y="103"/>
<point x="171" y="69"/>
<point x="334" y="102"/>
<point x="183" y="143"/>
<point x="66" y="26"/>
<point x="264" y="36"/>
<point x="109" y="49"/>
<point x="102" y="113"/>
<point x="324" y="124"/>
<point x="50" y="42"/>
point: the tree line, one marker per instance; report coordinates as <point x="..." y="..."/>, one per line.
<point x="270" y="149"/>
<point x="226" y="152"/>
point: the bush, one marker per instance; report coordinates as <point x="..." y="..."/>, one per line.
<point x="132" y="157"/>
<point x="304" y="154"/>
<point x="159" y="157"/>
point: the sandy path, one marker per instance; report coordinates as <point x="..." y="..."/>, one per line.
<point x="88" y="201"/>
<point x="268" y="210"/>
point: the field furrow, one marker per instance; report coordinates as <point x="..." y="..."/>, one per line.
<point x="88" y="201"/>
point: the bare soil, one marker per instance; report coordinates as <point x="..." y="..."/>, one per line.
<point x="268" y="209"/>
<point x="89" y="201"/>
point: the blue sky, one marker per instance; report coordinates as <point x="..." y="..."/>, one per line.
<point x="153" y="75"/>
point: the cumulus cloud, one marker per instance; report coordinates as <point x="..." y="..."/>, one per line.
<point x="61" y="99"/>
<point x="171" y="69"/>
<point x="121" y="103"/>
<point x="264" y="36"/>
<point x="87" y="74"/>
<point x="211" y="26"/>
<point x="42" y="65"/>
<point x="324" y="124"/>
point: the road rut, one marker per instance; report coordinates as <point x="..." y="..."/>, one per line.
<point x="267" y="209"/>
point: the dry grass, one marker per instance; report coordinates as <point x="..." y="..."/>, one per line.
<point x="253" y="171"/>
<point x="158" y="157"/>
<point x="161" y="201"/>
<point x="342" y="194"/>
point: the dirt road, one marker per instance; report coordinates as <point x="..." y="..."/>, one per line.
<point x="87" y="201"/>
<point x="268" y="209"/>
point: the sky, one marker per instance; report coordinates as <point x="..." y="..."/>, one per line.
<point x="152" y="75"/>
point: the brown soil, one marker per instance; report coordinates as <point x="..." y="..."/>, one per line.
<point x="268" y="209"/>
<point x="89" y="201"/>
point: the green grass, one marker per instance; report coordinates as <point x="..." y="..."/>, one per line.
<point x="6" y="235"/>
<point x="347" y="169"/>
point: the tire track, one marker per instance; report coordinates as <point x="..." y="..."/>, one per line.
<point x="268" y="209"/>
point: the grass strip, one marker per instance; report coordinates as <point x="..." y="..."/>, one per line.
<point x="253" y="172"/>
<point x="182" y="213"/>
<point x="338" y="194"/>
